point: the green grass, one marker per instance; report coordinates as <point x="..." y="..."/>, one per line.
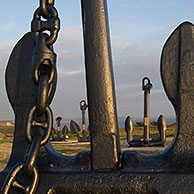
<point x="6" y="140"/>
<point x="6" y="130"/>
<point x="138" y="131"/>
<point x="170" y="132"/>
<point x="171" y="129"/>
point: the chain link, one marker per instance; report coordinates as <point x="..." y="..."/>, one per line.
<point x="43" y="7"/>
<point x="39" y="118"/>
<point x="12" y="182"/>
<point x="44" y="59"/>
<point x="52" y="24"/>
<point x="30" y="123"/>
<point x="42" y="95"/>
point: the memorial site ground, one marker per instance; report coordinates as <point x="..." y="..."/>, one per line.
<point x="71" y="146"/>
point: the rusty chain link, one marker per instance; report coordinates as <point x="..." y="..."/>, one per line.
<point x="39" y="118"/>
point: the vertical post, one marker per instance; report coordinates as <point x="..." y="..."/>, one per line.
<point x="146" y="87"/>
<point x="83" y="124"/>
<point x="83" y="107"/>
<point x="100" y="85"/>
<point x="146" y="117"/>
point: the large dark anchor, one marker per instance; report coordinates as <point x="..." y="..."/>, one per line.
<point x="74" y="127"/>
<point x="59" y="134"/>
<point x="146" y="141"/>
<point x="104" y="169"/>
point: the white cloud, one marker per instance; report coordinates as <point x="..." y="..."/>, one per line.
<point x="131" y="63"/>
<point x="70" y="73"/>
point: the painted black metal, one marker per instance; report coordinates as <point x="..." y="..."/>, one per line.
<point x="146" y="87"/>
<point x="38" y="119"/>
<point x="75" y="128"/>
<point x="146" y="140"/>
<point x="168" y="172"/>
<point x="100" y="86"/>
<point x="83" y="107"/>
<point x="52" y="23"/>
<point x="60" y="133"/>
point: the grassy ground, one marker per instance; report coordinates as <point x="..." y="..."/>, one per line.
<point x="67" y="148"/>
<point x="7" y="132"/>
<point x="138" y="131"/>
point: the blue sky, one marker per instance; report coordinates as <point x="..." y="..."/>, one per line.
<point x="139" y="29"/>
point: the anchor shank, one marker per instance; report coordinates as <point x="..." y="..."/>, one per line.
<point x="146" y="117"/>
<point x="83" y="124"/>
<point x="100" y="85"/>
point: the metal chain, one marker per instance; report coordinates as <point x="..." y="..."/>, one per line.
<point x="39" y="118"/>
<point x="43" y="6"/>
<point x="52" y="24"/>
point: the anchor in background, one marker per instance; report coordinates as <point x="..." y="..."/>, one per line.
<point x="161" y="123"/>
<point x="74" y="127"/>
<point x="58" y="134"/>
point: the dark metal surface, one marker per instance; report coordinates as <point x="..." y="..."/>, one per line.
<point x="168" y="172"/>
<point x="52" y="24"/>
<point x="146" y="87"/>
<point x="100" y="86"/>
<point x="74" y="127"/>
<point x="83" y="107"/>
<point x="147" y="140"/>
<point x="60" y="133"/>
<point x="129" y="129"/>
<point x="162" y="127"/>
<point x="38" y="117"/>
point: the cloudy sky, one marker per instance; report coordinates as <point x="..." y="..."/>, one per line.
<point x="139" y="29"/>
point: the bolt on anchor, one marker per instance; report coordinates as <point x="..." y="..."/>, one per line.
<point x="58" y="134"/>
<point x="161" y="123"/>
<point x="74" y="127"/>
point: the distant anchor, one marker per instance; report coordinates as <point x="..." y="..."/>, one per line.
<point x="61" y="134"/>
<point x="161" y="123"/>
<point x="75" y="127"/>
